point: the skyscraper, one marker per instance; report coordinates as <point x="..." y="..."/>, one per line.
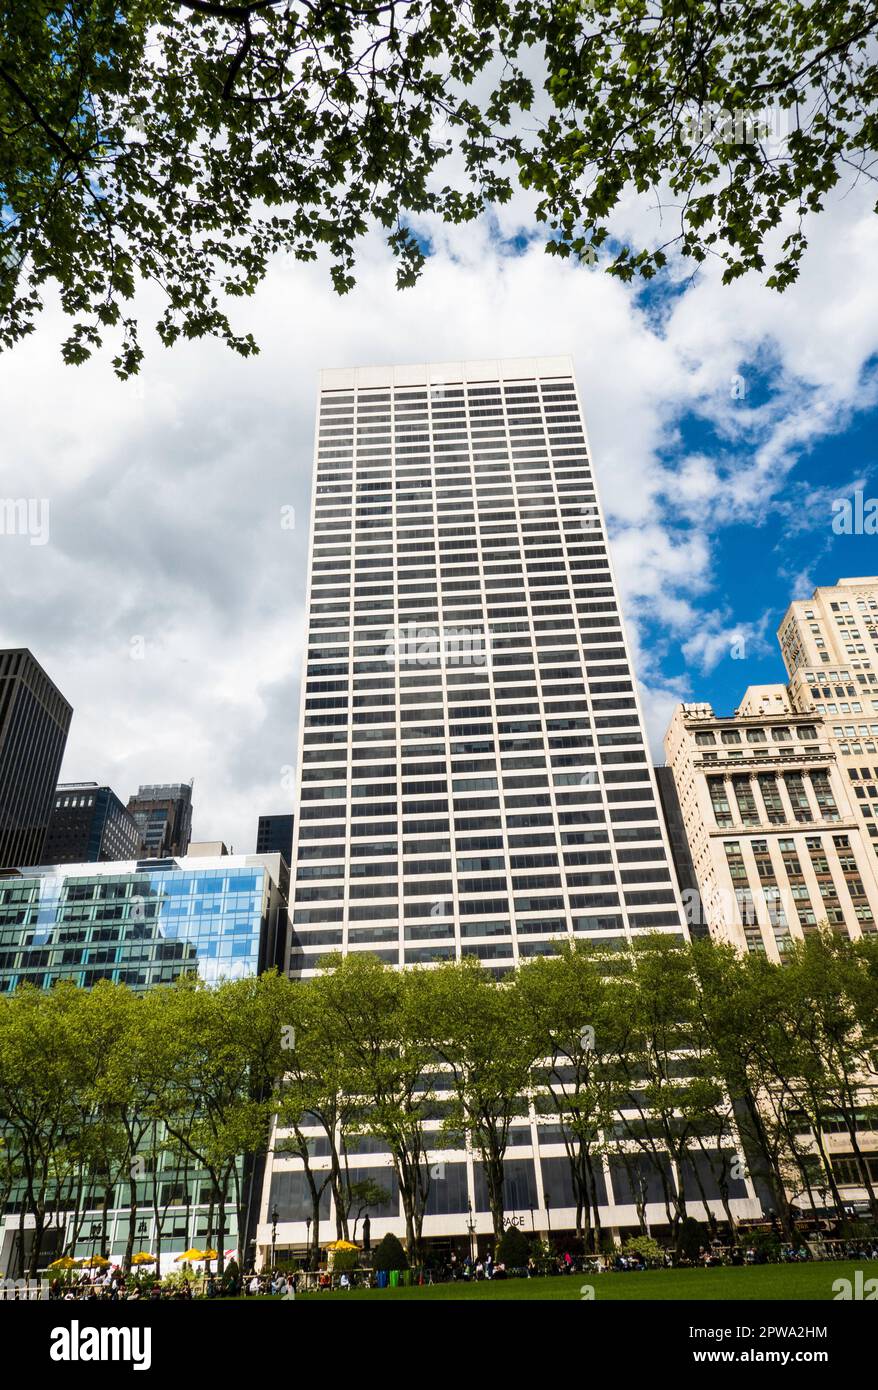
<point x="34" y="722"/>
<point x="473" y="777"/>
<point x="163" y="813"/>
<point x="89" y="824"/>
<point x="829" y="645"/>
<point x="274" y="835"/>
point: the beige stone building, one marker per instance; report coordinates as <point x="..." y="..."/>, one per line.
<point x="776" y="842"/>
<point x="829" y="645"/>
<point x="777" y="803"/>
<point x="777" y="799"/>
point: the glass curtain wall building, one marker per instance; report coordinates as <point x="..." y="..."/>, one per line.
<point x="142" y="924"/>
<point x="473" y="776"/>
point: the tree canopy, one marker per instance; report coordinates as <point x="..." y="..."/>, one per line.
<point x="185" y="143"/>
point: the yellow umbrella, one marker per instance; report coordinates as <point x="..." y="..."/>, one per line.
<point x="143" y="1258"/>
<point x="211" y="1255"/>
<point x="94" y="1261"/>
<point x="65" y="1262"/>
<point x="190" y="1255"/>
<point x="342" y="1245"/>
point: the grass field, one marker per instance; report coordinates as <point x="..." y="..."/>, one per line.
<point x="760" y="1283"/>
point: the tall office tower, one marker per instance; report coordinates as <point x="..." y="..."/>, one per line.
<point x="163" y="813"/>
<point x="34" y="722"/>
<point x="274" y="835"/>
<point x="473" y="778"/>
<point x="775" y="838"/>
<point x="89" y="824"/>
<point x="830" y="649"/>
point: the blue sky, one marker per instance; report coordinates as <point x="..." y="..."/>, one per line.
<point x="167" y="493"/>
<point x="763" y="562"/>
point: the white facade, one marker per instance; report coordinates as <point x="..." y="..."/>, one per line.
<point x="472" y="771"/>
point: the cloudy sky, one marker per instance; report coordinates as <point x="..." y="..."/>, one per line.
<point x="167" y="603"/>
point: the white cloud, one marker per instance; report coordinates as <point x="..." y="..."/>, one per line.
<point x="166" y="494"/>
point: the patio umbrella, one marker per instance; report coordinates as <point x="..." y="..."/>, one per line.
<point x="95" y="1262"/>
<point x="190" y="1255"/>
<point x="65" y="1262"/>
<point x="342" y="1245"/>
<point x="143" y="1258"/>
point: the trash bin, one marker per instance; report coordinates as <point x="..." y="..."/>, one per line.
<point x="394" y="1278"/>
<point x="382" y="1278"/>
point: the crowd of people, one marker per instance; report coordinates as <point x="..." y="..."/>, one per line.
<point x="113" y="1284"/>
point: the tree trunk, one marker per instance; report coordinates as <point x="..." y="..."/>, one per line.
<point x="494" y="1176"/>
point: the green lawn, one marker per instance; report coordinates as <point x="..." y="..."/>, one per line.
<point x="757" y="1282"/>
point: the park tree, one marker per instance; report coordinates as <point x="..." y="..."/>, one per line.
<point x="217" y="1099"/>
<point x="44" y="1074"/>
<point x="825" y="989"/>
<point x="184" y="143"/>
<point x="310" y="1094"/>
<point x="479" y="1030"/>
<point x="670" y="1094"/>
<point x="742" y="1014"/>
<point x="567" y="999"/>
<point x="385" y="1050"/>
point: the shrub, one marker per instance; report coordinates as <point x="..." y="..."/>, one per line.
<point x="513" y="1249"/>
<point x="343" y="1260"/>
<point x="646" y="1248"/>
<point x="389" y="1254"/>
<point x="690" y="1238"/>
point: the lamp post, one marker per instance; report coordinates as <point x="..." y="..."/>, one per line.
<point x="471" y="1228"/>
<point x="275" y="1217"/>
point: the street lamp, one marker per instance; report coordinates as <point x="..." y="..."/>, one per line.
<point x="275" y="1217"/>
<point x="471" y="1227"/>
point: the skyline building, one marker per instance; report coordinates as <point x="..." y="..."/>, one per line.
<point x="141" y="924"/>
<point x="473" y="778"/>
<point x="776" y="843"/>
<point x="274" y="835"/>
<point x="34" y="723"/>
<point x="777" y="802"/>
<point x="472" y="774"/>
<point x="163" y="813"/>
<point x="829" y="644"/>
<point x="89" y="824"/>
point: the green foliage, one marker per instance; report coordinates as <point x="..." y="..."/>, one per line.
<point x="186" y="143"/>
<point x="389" y="1254"/>
<point x="690" y="1238"/>
<point x="345" y="1260"/>
<point x="513" y="1248"/>
<point x="632" y="1055"/>
<point x="646" y="1248"/>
